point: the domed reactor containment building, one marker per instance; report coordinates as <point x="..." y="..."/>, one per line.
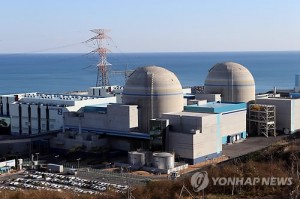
<point x="233" y="81"/>
<point x="156" y="91"/>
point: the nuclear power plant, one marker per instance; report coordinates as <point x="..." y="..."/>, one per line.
<point x="153" y="118"/>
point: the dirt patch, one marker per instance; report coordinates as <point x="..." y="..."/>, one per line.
<point x="209" y="162"/>
<point x="142" y="173"/>
<point x="115" y="170"/>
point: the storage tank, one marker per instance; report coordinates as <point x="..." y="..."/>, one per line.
<point x="136" y="158"/>
<point x="233" y="81"/>
<point x="297" y="83"/>
<point x="163" y="160"/>
<point x="156" y="91"/>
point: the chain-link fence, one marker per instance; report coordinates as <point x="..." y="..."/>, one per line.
<point x="108" y="176"/>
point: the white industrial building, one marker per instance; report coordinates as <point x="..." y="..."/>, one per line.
<point x="114" y="121"/>
<point x="287" y="112"/>
<point x="193" y="136"/>
<point x="34" y="113"/>
<point x="197" y="133"/>
<point x="104" y="117"/>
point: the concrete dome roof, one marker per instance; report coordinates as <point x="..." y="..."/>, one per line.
<point x="232" y="80"/>
<point x="156" y="91"/>
<point x="152" y="79"/>
<point x="229" y="71"/>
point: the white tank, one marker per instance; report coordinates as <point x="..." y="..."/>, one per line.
<point x="297" y="83"/>
<point x="136" y="158"/>
<point x="233" y="81"/>
<point x="163" y="160"/>
<point x="156" y="91"/>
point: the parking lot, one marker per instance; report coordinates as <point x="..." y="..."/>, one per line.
<point x="57" y="182"/>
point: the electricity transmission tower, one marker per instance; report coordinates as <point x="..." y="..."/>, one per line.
<point x="100" y="40"/>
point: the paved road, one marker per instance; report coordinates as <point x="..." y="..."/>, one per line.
<point x="251" y="144"/>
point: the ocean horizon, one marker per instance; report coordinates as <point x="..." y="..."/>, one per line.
<point x="65" y="72"/>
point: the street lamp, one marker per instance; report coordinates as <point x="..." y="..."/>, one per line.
<point x="78" y="162"/>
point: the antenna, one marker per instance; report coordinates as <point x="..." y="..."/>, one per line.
<point x="99" y="39"/>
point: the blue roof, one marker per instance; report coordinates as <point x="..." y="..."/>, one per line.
<point x="295" y="95"/>
<point x="214" y="107"/>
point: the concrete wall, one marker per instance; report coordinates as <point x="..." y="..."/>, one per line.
<point x="208" y="97"/>
<point x="183" y="124"/>
<point x="30" y="118"/>
<point x="5" y="101"/>
<point x="198" y="145"/>
<point x="233" y="123"/>
<point x="122" y="117"/>
<point x="118" y="118"/>
<point x="296" y="114"/>
<point x="210" y="142"/>
<point x="34" y="119"/>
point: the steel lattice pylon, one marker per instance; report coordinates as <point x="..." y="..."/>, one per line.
<point x="103" y="72"/>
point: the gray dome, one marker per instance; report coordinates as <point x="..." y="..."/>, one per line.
<point x="233" y="81"/>
<point x="155" y="90"/>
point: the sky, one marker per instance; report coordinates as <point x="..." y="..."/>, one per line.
<point x="61" y="26"/>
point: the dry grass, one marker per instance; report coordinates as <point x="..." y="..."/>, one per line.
<point x="142" y="173"/>
<point x="37" y="194"/>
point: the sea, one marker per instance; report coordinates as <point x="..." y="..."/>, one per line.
<point x="60" y="73"/>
